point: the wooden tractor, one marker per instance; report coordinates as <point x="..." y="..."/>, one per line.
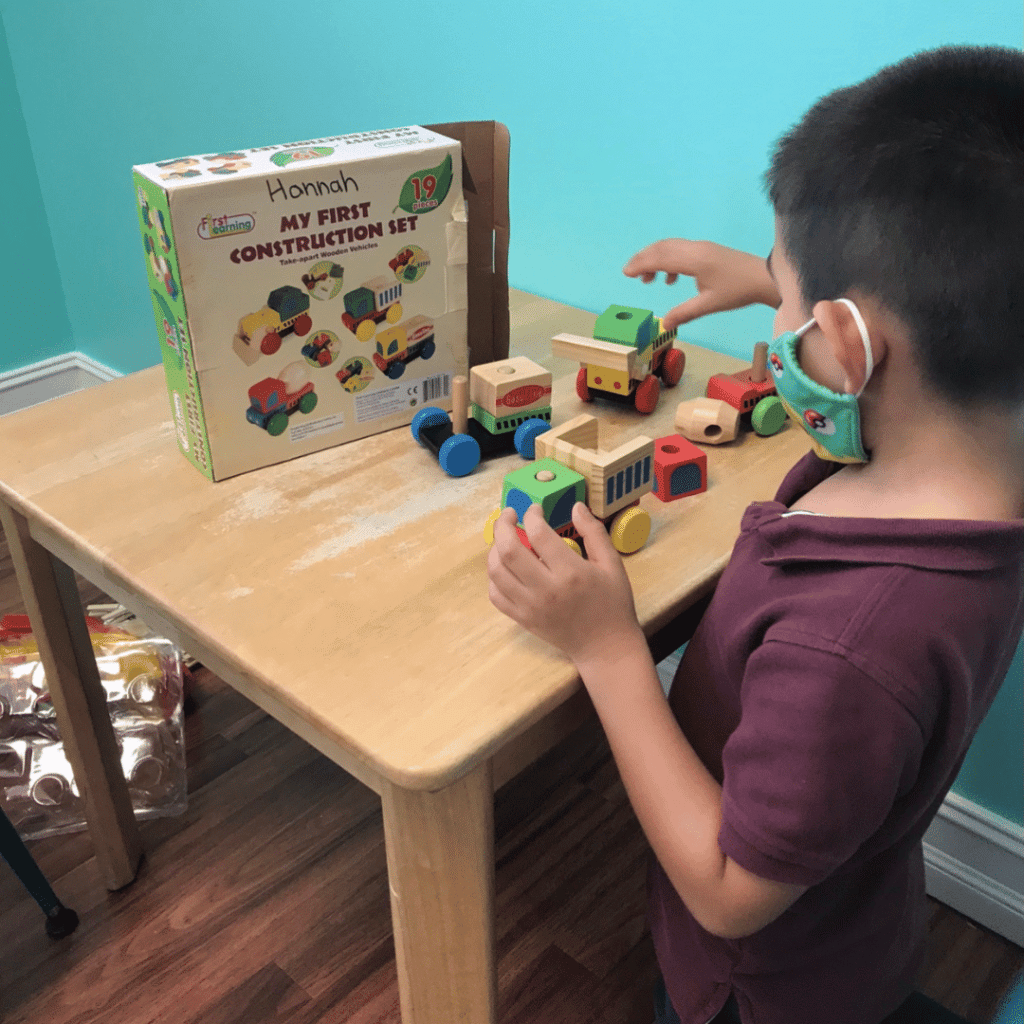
<point x="287" y="310"/>
<point x="751" y="393"/>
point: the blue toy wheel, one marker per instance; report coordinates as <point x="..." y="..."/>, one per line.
<point x="395" y="370"/>
<point x="526" y="436"/>
<point x="459" y="455"/>
<point x="428" y="349"/>
<point x="428" y="416"/>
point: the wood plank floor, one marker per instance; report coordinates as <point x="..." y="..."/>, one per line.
<point x="267" y="901"/>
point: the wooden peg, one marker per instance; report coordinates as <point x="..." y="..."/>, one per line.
<point x="759" y="366"/>
<point x="460" y="403"/>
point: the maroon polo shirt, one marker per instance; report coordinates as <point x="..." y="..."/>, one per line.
<point x="833" y="688"/>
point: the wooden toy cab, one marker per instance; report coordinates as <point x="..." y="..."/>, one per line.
<point x="569" y="468"/>
<point x="625" y="358"/>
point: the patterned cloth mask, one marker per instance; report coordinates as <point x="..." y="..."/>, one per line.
<point x="832" y="419"/>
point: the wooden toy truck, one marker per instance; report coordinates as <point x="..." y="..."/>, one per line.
<point x="371" y="304"/>
<point x="511" y="407"/>
<point x="569" y="468"/>
<point x="625" y="358"/>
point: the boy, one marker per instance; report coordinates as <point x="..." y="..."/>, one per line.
<point x="868" y="613"/>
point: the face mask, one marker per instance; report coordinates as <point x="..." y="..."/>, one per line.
<point x="831" y="419"/>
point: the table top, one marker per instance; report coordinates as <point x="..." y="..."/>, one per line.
<point x="350" y="585"/>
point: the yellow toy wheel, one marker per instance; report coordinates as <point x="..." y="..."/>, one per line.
<point x="366" y="330"/>
<point x="394" y="313"/>
<point x="630" y="530"/>
<point x="489" y="526"/>
<point x="570" y="543"/>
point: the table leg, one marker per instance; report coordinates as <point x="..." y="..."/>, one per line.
<point x="55" y="612"/>
<point x="440" y="849"/>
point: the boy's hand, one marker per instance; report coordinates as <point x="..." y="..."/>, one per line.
<point x="725" y="278"/>
<point x="584" y="607"/>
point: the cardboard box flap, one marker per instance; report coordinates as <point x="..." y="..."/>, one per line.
<point x="485" y="164"/>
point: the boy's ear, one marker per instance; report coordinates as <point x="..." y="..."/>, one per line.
<point x="840" y="329"/>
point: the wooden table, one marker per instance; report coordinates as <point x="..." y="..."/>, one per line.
<point x="345" y="593"/>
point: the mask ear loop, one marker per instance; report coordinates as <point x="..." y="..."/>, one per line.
<point x="801" y="331"/>
<point x="869" y="359"/>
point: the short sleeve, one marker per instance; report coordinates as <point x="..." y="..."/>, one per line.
<point x="821" y="753"/>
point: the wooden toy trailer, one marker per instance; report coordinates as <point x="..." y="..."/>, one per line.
<point x="569" y="468"/>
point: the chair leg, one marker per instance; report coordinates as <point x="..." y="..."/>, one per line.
<point x="60" y="920"/>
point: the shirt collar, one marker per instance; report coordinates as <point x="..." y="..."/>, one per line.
<point x="939" y="544"/>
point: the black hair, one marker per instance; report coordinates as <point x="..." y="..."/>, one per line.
<point x="909" y="187"/>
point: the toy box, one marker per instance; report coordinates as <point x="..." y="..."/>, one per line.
<point x="313" y="293"/>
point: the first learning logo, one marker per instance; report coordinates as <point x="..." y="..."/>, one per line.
<point x="228" y="224"/>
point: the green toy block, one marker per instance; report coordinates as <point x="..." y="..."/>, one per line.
<point x="508" y="423"/>
<point x="557" y="490"/>
<point x="625" y="325"/>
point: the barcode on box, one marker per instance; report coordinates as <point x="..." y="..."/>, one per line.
<point x="436" y="387"/>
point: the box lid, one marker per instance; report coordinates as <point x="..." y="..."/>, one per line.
<point x="288" y="157"/>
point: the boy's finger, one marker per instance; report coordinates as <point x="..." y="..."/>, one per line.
<point x="505" y="601"/>
<point x="549" y="547"/>
<point x="700" y="305"/>
<point x="516" y="558"/>
<point x="600" y="550"/>
<point x="671" y="255"/>
<point x="504" y="582"/>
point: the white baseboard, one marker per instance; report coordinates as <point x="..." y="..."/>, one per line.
<point x="974" y="863"/>
<point x="974" y="859"/>
<point x="51" y="378"/>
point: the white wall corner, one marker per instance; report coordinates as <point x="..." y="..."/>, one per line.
<point x="51" y="378"/>
<point x="974" y="863"/>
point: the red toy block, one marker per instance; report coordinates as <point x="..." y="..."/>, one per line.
<point x="680" y="468"/>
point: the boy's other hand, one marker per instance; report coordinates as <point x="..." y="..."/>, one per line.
<point x="725" y="278"/>
<point x="584" y="607"/>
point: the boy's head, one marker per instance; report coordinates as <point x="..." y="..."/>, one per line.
<point x="909" y="188"/>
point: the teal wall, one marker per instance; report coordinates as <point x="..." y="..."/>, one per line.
<point x="30" y="281"/>
<point x="627" y="126"/>
<point x="993" y="774"/>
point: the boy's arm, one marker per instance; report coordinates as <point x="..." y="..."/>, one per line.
<point x="677" y="801"/>
<point x="585" y="608"/>
<point x="725" y="278"/>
